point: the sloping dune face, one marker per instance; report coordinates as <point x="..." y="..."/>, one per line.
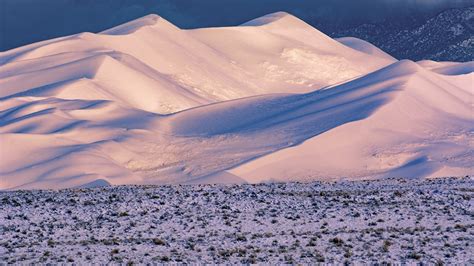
<point x="272" y="99"/>
<point x="426" y="130"/>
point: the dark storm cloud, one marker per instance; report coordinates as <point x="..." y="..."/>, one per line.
<point x="27" y="21"/>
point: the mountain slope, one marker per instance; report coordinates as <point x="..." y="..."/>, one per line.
<point x="448" y="36"/>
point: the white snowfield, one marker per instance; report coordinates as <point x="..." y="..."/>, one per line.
<point x="270" y="100"/>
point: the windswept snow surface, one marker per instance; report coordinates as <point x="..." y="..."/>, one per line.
<point x="149" y="103"/>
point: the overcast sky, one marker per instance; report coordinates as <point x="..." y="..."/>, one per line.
<point x="28" y="21"/>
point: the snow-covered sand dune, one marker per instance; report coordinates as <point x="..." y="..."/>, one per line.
<point x="272" y="99"/>
<point x="425" y="129"/>
<point x="152" y="65"/>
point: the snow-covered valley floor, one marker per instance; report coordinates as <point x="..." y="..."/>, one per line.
<point x="393" y="220"/>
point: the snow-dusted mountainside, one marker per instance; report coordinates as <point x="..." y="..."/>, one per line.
<point x="272" y="99"/>
<point x="448" y="36"/>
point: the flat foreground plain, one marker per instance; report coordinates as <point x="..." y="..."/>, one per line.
<point x="393" y="220"/>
